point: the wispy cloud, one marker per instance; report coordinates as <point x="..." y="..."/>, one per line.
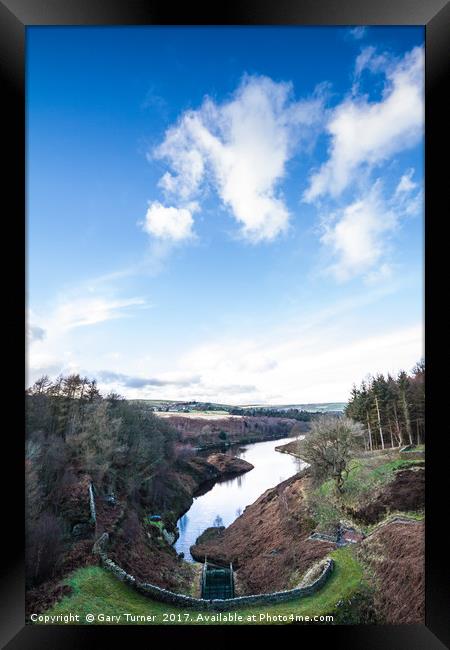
<point x="358" y="236"/>
<point x="358" y="32"/>
<point x="364" y="133"/>
<point x="322" y="363"/>
<point x="91" y="310"/>
<point x="314" y="357"/>
<point x="67" y="324"/>
<point x="406" y="184"/>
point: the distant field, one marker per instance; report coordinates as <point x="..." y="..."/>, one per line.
<point x="205" y="415"/>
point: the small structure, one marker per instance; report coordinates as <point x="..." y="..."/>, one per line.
<point x="154" y="518"/>
<point x="349" y="535"/>
<point x="217" y="581"/>
<point x="325" y="537"/>
<point x="343" y="536"/>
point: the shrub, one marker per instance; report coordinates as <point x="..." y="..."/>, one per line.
<point x="43" y="548"/>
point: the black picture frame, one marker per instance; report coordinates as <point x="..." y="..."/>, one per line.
<point x="15" y="16"/>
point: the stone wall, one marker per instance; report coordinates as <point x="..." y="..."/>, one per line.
<point x="180" y="600"/>
<point x="323" y="537"/>
<point x="414" y="454"/>
<point x="394" y="519"/>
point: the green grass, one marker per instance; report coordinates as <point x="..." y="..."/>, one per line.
<point x="387" y="470"/>
<point x="366" y="475"/>
<point x="96" y="591"/>
<point x="157" y="524"/>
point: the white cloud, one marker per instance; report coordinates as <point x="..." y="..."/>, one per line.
<point x="35" y="333"/>
<point x="364" y="133"/>
<point x="240" y="148"/>
<point x="367" y="59"/>
<point x="362" y="60"/>
<point x="169" y="223"/>
<point x="357" y="234"/>
<point x="358" y="32"/>
<point x="406" y="184"/>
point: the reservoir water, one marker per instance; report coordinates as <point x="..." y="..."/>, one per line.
<point x="226" y="500"/>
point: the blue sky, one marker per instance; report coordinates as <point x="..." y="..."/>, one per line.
<point x="227" y="214"/>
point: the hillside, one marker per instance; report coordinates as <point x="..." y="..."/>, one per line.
<point x="212" y="429"/>
<point x="395" y="556"/>
<point x="271" y="546"/>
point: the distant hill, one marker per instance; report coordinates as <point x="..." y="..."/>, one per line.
<point x="179" y="406"/>
<point x="325" y="407"/>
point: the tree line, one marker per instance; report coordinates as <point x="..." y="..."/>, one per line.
<point x="391" y="409"/>
<point x="294" y="414"/>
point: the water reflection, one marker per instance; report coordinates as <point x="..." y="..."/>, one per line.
<point x="225" y="501"/>
<point x="182" y="523"/>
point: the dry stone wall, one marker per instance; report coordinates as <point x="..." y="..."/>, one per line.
<point x="180" y="600"/>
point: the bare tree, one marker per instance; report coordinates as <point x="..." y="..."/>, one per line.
<point x="329" y="447"/>
<point x="218" y="522"/>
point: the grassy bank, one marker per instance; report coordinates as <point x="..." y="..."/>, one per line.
<point x="366" y="474"/>
<point x="369" y="478"/>
<point x="96" y="591"/>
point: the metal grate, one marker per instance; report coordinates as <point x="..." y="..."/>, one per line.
<point x="217" y="581"/>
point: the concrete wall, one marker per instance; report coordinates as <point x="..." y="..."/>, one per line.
<point x="180" y="600"/>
